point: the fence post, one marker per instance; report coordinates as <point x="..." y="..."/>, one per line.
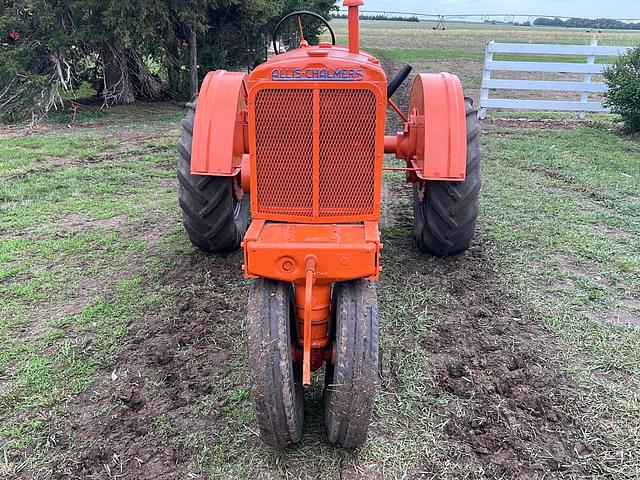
<point x="486" y="75"/>
<point x="591" y="59"/>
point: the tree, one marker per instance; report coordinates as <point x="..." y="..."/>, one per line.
<point x="548" y="22"/>
<point x="37" y="57"/>
<point x="127" y="50"/>
<point x="623" y="96"/>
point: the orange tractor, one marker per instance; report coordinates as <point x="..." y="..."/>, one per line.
<point x="286" y="163"/>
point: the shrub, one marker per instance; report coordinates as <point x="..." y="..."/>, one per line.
<point x="623" y="97"/>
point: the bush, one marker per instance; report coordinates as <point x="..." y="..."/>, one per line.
<point x="623" y="97"/>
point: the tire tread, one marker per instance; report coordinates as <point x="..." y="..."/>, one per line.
<point x="206" y="201"/>
<point x="276" y="387"/>
<point x="445" y="222"/>
<point x="350" y="383"/>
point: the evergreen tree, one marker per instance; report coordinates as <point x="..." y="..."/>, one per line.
<point x="127" y="50"/>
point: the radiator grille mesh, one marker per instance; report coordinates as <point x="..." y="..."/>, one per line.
<point x="347" y="152"/>
<point x="285" y="157"/>
<point x="284" y="151"/>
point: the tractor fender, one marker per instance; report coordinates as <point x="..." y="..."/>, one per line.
<point x="437" y="129"/>
<point x="219" y="134"/>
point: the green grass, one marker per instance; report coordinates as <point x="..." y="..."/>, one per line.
<point x="471" y="38"/>
<point x="460" y="49"/>
<point x="84" y="91"/>
<point x="90" y="247"/>
<point x="565" y="218"/>
<point x="69" y="289"/>
<point x="409" y="55"/>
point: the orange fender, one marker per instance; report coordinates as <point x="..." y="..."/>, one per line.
<point x="435" y="140"/>
<point x="219" y="136"/>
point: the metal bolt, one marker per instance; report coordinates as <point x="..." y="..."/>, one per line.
<point x="288" y="266"/>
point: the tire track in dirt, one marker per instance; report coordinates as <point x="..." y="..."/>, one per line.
<point x="508" y="412"/>
<point x="173" y="361"/>
<point x="508" y="409"/>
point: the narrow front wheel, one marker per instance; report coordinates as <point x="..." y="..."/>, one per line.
<point x="276" y="387"/>
<point x="351" y="380"/>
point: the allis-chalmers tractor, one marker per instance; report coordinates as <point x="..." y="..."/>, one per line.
<point x="286" y="163"/>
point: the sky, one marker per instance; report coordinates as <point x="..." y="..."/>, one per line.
<point x="563" y="8"/>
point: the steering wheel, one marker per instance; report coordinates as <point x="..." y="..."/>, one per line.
<point x="276" y="49"/>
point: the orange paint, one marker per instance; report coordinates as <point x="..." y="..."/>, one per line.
<point x="305" y="133"/>
<point x="302" y="106"/>
<point x="354" y="24"/>
<point x="313" y="314"/>
<point x="312" y="257"/>
<point x="342" y="251"/>
<point x="220" y="125"/>
<point x="313" y="301"/>
<point x="316" y="120"/>
<point x="437" y="106"/>
<point x="434" y="140"/>
<point x="245" y="173"/>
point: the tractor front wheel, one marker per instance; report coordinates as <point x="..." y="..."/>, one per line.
<point x="276" y="380"/>
<point x="352" y="379"/>
<point x="212" y="214"/>
<point x="445" y="213"/>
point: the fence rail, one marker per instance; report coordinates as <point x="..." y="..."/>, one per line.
<point x="585" y="87"/>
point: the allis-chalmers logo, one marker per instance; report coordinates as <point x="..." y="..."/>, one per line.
<point x="314" y="74"/>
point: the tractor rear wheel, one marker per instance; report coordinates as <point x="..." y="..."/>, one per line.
<point x="445" y="218"/>
<point x="213" y="216"/>
<point x="352" y="379"/>
<point x="276" y="387"/>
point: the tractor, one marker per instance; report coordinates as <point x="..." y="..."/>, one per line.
<point x="286" y="163"/>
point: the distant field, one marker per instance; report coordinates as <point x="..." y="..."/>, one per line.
<point x="460" y="48"/>
<point x="123" y="353"/>
<point x="470" y="37"/>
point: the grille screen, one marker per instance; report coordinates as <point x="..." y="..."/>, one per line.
<point x="285" y="156"/>
<point x="347" y="152"/>
<point x="284" y="151"/>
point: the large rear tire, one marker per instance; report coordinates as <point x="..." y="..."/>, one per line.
<point x="214" y="218"/>
<point x="351" y="380"/>
<point x="445" y="220"/>
<point x="276" y="381"/>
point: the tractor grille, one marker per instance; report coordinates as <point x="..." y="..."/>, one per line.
<point x="345" y="124"/>
<point x="284" y="152"/>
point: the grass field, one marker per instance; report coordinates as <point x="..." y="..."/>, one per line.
<point x="460" y="48"/>
<point x="123" y="352"/>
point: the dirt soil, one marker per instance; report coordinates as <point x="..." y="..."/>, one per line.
<point x="513" y="414"/>
<point x="170" y="364"/>
<point x="509" y="416"/>
<point x="492" y="357"/>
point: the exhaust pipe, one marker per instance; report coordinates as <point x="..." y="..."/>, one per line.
<point x="398" y="80"/>
<point x="354" y="24"/>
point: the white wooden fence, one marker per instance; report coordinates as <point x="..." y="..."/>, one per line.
<point x="586" y="87"/>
